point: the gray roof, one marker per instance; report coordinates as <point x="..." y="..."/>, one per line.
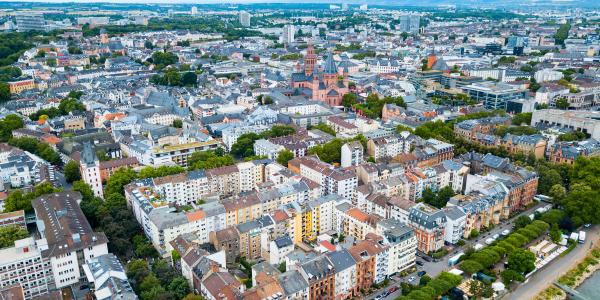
<point x="341" y="260"/>
<point x="292" y="282"/>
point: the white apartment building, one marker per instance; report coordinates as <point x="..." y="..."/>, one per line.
<point x="67" y="239"/>
<point x="352" y="154"/>
<point x="455" y="224"/>
<point x="265" y="148"/>
<point x="345" y="272"/>
<point x="333" y="181"/>
<point x="24" y="265"/>
<point x="162" y="224"/>
<point x="402" y="245"/>
<point x="231" y="134"/>
<point x="287" y="36"/>
<point x="547" y="75"/>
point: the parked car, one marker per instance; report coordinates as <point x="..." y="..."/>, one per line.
<point x="495" y="236"/>
<point x="505" y="232"/>
<point x="427" y="258"/>
<point x="421" y="273"/>
<point x="412" y="278"/>
<point x="392" y="289"/>
<point x="420" y="263"/>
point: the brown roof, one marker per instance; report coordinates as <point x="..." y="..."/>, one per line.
<point x="234" y="204"/>
<point x="227" y="234"/>
<point x="222" y="285"/>
<point x="117" y="163"/>
<point x="226" y="170"/>
<point x="181" y="177"/>
<point x="66" y="227"/>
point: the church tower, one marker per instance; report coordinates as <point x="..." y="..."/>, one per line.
<point x="310" y="60"/>
<point x="90" y="169"/>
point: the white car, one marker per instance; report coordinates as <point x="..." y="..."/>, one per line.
<point x="412" y="278"/>
<point x="495" y="236"/>
<point x="505" y="232"/>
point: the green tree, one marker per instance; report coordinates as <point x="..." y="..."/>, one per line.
<point x="349" y="99"/>
<point x="189" y="78"/>
<point x="193" y="297"/>
<point x="522" y="261"/>
<point x="72" y="172"/>
<point x="177" y="123"/>
<point x="51" y="62"/>
<point x="474" y="233"/>
<point x="509" y="276"/>
<point x="284" y="156"/>
<point x="325" y="128"/>
<point x="179" y="287"/>
<point x="470" y="266"/>
<point x="4" y="92"/>
<point x="522" y="118"/>
<point x="11" y="233"/>
<point x="555" y="233"/>
<point x="562" y="103"/>
<point x="521" y="222"/>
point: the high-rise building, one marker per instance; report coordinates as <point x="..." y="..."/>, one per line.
<point x="90" y="169"/>
<point x="345" y="6"/>
<point x="287" y="36"/>
<point x="194" y="10"/>
<point x="30" y="21"/>
<point x="364" y="7"/>
<point x="245" y="18"/>
<point x="410" y="23"/>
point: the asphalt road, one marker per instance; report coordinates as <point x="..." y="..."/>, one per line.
<point x="551" y="272"/>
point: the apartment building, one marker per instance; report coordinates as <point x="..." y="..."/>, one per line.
<point x="178" y="154"/>
<point x="568" y="152"/>
<point x="242" y="209"/>
<point x="23" y="265"/>
<point x="345" y="273"/>
<point x="318" y="216"/>
<point x="320" y="273"/>
<point x="332" y="181"/>
<point x="402" y="245"/>
<point x="352" y="154"/>
<point x="429" y="225"/>
<point x="480" y="210"/>
<point x="390" y="146"/>
<point x="351" y="221"/>
<point x="162" y="223"/>
<point x="67" y="239"/>
<point x="108" y="278"/>
<point x="252" y="235"/>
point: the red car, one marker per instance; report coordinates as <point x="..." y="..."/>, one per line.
<point x="392" y="289"/>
